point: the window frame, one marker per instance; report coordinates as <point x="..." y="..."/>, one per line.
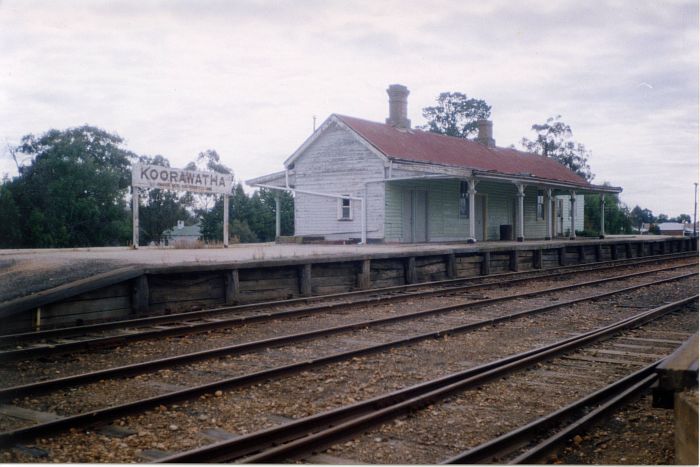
<point x="342" y="207"/>
<point x="464" y="199"/>
<point x="540" y="212"/>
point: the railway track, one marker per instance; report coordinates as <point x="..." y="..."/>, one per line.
<point x="114" y="412"/>
<point x="532" y="443"/>
<point x="36" y="344"/>
<point x="452" y="396"/>
<point x="463" y="322"/>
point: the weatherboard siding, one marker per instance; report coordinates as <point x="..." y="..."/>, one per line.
<point x="337" y="163"/>
<point x="444" y="221"/>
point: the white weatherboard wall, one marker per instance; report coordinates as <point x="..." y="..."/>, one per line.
<point x="338" y="163"/>
<point x="444" y="222"/>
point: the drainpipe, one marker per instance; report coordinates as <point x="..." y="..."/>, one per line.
<point x="472" y="210"/>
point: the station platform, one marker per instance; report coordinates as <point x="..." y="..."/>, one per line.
<point x="27" y="271"/>
<point x="118" y="282"/>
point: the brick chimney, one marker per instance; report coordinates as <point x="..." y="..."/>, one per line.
<point x="485" y="135"/>
<point x="398" y="106"/>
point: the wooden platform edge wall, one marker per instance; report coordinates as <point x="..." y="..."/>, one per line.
<point x="134" y="291"/>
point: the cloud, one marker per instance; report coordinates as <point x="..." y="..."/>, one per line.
<point x="245" y="77"/>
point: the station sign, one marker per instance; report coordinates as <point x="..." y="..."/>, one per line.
<point x="168" y="178"/>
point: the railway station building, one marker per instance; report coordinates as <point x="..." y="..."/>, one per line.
<point x="390" y="183"/>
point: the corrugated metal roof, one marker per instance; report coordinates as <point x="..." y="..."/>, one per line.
<point x="422" y="146"/>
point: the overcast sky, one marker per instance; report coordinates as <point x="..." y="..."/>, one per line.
<point x="246" y="77"/>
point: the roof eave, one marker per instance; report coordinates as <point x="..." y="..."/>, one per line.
<point x="545" y="182"/>
<point x="267" y="179"/>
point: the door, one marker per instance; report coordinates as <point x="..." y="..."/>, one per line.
<point x="479" y="227"/>
<point x="415" y="216"/>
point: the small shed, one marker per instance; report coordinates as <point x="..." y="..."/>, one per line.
<point x="675" y="229"/>
<point x="182" y="234"/>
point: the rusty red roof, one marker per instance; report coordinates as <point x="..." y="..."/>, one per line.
<point x="422" y="146"/>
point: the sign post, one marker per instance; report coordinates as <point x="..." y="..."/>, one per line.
<point x="135" y="212"/>
<point x="168" y="178"/>
<point x="225" y="221"/>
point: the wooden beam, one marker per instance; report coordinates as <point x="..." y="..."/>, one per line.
<point x="139" y="295"/>
<point x="581" y="254"/>
<point x="628" y="250"/>
<point x="562" y="256"/>
<point x="537" y="258"/>
<point x="305" y="280"/>
<point x="68" y="290"/>
<point x="410" y="270"/>
<point x="232" y="286"/>
<point x="485" y="263"/>
<point x="598" y="252"/>
<point x="364" y="278"/>
<point x="514" y="260"/>
<point x="451" y="266"/>
<point x="613" y="251"/>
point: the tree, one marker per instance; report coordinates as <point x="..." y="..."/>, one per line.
<point x="10" y="233"/>
<point x="262" y="216"/>
<point x="617" y="216"/>
<point x="683" y="218"/>
<point x="641" y="216"/>
<point x="252" y="218"/>
<point x="71" y="192"/>
<point x="455" y="115"/>
<point x="555" y="139"/>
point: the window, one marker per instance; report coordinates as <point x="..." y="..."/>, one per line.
<point x="344" y="209"/>
<point x="463" y="199"/>
<point x="540" y="204"/>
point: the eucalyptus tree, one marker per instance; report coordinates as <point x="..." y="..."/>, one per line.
<point x="455" y="114"/>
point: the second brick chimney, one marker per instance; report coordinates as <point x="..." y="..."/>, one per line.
<point x="485" y="135"/>
<point x="398" y="106"/>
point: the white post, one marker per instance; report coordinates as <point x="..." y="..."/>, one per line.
<point x="521" y="208"/>
<point x="472" y="210"/>
<point x="363" y="214"/>
<point x="225" y="221"/>
<point x="135" y="216"/>
<point x="278" y="217"/>
<point x="602" y="215"/>
<point x="572" y="234"/>
<point x="548" y="213"/>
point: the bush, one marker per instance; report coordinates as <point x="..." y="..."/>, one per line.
<point x="587" y="233"/>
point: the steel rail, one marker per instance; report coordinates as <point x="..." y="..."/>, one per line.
<point x="102" y="415"/>
<point x="143" y="367"/>
<point x="137" y="368"/>
<point x="561" y="436"/>
<point x="17" y="354"/>
<point x="19" y="338"/>
<point x="502" y="446"/>
<point x="321" y="430"/>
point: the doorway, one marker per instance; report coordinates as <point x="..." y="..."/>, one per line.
<point x="415" y="216"/>
<point x="479" y="221"/>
